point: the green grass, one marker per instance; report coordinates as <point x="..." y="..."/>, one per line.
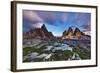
<point x="55" y="57"/>
<point x="68" y="53"/>
<point x="37" y="60"/>
<point x="27" y="60"/>
<point x="83" y="53"/>
<point x="26" y="50"/>
<point x="64" y="54"/>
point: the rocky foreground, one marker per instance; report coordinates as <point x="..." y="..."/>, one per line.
<point x="41" y="51"/>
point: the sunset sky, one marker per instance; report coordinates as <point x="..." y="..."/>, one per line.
<point x="56" y="22"/>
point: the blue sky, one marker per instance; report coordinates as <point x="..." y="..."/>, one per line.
<point x="56" y="22"/>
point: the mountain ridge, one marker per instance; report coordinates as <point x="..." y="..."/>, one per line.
<point x="40" y="33"/>
<point x="74" y="34"/>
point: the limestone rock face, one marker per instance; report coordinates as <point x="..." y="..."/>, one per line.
<point x="68" y="33"/>
<point x="77" y="33"/>
<point x="74" y="34"/>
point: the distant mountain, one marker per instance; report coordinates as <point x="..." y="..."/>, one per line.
<point x="76" y="34"/>
<point x="68" y="33"/>
<point x="87" y="32"/>
<point x="40" y="33"/>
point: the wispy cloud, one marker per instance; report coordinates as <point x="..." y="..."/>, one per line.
<point x="63" y="18"/>
<point x="56" y="20"/>
<point x="31" y="16"/>
<point x="87" y="27"/>
<point x="53" y="17"/>
<point x="32" y="19"/>
<point x="48" y="17"/>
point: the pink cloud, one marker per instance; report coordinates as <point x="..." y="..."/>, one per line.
<point x="30" y="15"/>
<point x="64" y="17"/>
<point x="33" y="18"/>
<point x="48" y="17"/>
<point x="87" y="26"/>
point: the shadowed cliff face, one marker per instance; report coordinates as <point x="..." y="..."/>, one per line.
<point x="41" y="33"/>
<point x="77" y="33"/>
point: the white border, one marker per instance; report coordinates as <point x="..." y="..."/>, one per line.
<point x="21" y="65"/>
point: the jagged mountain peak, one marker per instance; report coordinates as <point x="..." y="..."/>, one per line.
<point x="70" y="30"/>
<point x="70" y="33"/>
<point x="42" y="33"/>
<point x="77" y="30"/>
<point x="43" y="26"/>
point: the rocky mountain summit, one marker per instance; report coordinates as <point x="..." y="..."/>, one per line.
<point x="40" y="33"/>
<point x="74" y="34"/>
